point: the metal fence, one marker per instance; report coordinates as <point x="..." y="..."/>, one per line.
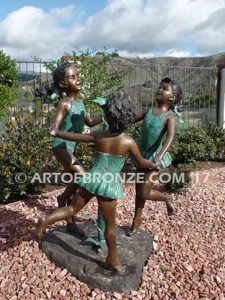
<point x="32" y="74"/>
<point x="141" y="82"/>
<point x="199" y="85"/>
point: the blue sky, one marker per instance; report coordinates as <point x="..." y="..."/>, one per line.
<point x="145" y="28"/>
<point x="89" y="7"/>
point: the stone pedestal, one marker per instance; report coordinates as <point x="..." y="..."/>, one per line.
<point x="88" y="265"/>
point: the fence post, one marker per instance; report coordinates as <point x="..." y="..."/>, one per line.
<point x="220" y="109"/>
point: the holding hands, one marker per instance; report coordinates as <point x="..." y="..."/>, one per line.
<point x="157" y="160"/>
<point x="53" y="132"/>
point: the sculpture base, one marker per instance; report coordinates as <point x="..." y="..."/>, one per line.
<point x="88" y="265"/>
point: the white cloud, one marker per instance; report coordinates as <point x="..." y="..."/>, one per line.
<point x="134" y="27"/>
<point x="125" y="53"/>
<point x="154" y="26"/>
<point x="209" y="34"/>
<point x="177" y="53"/>
<point x="30" y="31"/>
<point x="62" y="12"/>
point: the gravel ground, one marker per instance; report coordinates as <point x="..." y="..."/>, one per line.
<point x="188" y="260"/>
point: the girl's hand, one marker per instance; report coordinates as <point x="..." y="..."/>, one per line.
<point x="157" y="160"/>
<point x="53" y="132"/>
<point x="155" y="166"/>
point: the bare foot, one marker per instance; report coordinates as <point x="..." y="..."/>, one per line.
<point x="171" y="211"/>
<point x="39" y="230"/>
<point x="131" y="232"/>
<point x="72" y="227"/>
<point x="117" y="267"/>
<point x="135" y="226"/>
<point x="170" y="207"/>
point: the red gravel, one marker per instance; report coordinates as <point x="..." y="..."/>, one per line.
<point x="189" y="249"/>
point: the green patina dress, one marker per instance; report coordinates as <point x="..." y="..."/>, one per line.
<point x="151" y="136"/>
<point x="104" y="177"/>
<point x="73" y="122"/>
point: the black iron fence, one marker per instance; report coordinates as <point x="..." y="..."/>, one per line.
<point x="141" y="82"/>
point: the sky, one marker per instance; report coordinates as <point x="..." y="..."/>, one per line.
<point x="47" y="29"/>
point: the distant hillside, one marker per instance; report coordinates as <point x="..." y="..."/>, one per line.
<point x="196" y="75"/>
<point x="144" y="75"/>
<point x="207" y="61"/>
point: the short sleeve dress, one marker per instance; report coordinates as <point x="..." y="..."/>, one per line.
<point x="73" y="122"/>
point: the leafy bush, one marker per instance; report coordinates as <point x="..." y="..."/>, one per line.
<point x="8" y="83"/>
<point x="133" y="131"/>
<point x="24" y="149"/>
<point x="191" y="145"/>
<point x="85" y="155"/>
<point x="217" y="134"/>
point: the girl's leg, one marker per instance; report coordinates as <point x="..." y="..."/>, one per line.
<point x="108" y="210"/>
<point x="139" y="205"/>
<point x="145" y="192"/>
<point x="81" y="198"/>
<point x="71" y="165"/>
<point x="148" y="193"/>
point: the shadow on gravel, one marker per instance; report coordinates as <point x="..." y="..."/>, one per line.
<point x="17" y="226"/>
<point x="14" y="228"/>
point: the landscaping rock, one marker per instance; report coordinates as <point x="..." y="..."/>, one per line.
<point x="88" y="265"/>
<point x="193" y="237"/>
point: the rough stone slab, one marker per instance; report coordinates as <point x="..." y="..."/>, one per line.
<point x="87" y="265"/>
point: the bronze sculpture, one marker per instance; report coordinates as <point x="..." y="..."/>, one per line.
<point x="159" y="123"/>
<point x="111" y="146"/>
<point x="70" y="117"/>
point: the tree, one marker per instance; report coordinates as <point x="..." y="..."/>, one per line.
<point x="8" y="83"/>
<point x="115" y="54"/>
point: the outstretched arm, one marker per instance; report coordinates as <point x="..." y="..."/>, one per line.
<point x="92" y="121"/>
<point x="70" y="136"/>
<point x="140" y="116"/>
<point x="170" y="128"/>
<point x="143" y="163"/>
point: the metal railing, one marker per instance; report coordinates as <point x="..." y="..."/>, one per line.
<point x="141" y="82"/>
<point x="199" y="86"/>
<point x="31" y="74"/>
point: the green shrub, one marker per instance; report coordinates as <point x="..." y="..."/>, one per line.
<point x="85" y="155"/>
<point x="24" y="149"/>
<point x="133" y="131"/>
<point x="8" y="83"/>
<point x="191" y="145"/>
<point x="218" y="135"/>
